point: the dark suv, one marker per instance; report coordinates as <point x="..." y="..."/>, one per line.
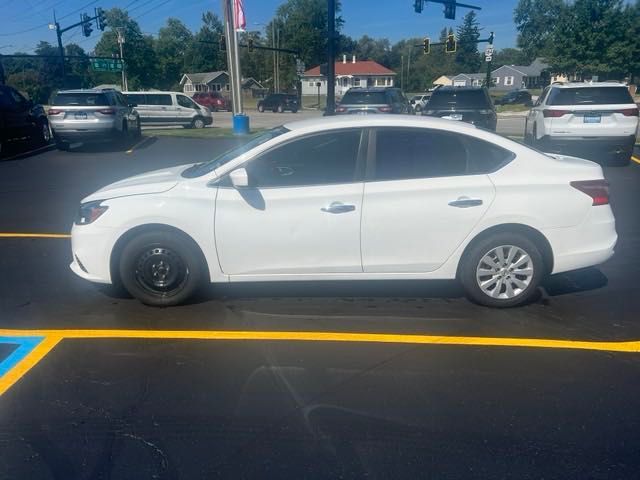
<point x="213" y="100"/>
<point x="374" y="100"/>
<point x="468" y="104"/>
<point x="279" y="102"/>
<point x="515" y="97"/>
<point x="21" y="122"/>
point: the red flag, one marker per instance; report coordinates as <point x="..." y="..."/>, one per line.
<point x="240" y="22"/>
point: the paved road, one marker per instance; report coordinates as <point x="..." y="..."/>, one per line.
<point x="197" y="404"/>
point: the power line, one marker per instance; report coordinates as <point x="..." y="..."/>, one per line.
<point x="152" y="9"/>
<point x="47" y="24"/>
<point x="140" y="6"/>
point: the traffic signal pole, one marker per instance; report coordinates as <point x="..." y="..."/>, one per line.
<point x="331" y="58"/>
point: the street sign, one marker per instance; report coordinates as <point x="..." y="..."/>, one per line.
<point x="106" y="65"/>
<point x="488" y="53"/>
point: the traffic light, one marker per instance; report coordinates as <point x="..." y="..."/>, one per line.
<point x="451" y="44"/>
<point x="418" y="5"/>
<point x="450" y="10"/>
<point x="222" y="42"/>
<point x="250" y="44"/>
<point x="86" y="25"/>
<point x="101" y="19"/>
<point x="426" y="45"/>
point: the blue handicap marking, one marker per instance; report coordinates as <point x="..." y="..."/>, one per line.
<point x="24" y="346"/>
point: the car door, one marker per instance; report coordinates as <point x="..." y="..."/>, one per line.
<point x="420" y="200"/>
<point x="301" y="212"/>
<point x="161" y="108"/>
<point x="186" y="108"/>
<point x="17" y="114"/>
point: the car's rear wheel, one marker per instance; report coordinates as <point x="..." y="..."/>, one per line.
<point x="161" y="268"/>
<point x="294" y="110"/>
<point x="280" y="108"/>
<point x="502" y="270"/>
<point x="260" y="107"/>
<point x="137" y="132"/>
<point x="197" y="122"/>
<point x="44" y="134"/>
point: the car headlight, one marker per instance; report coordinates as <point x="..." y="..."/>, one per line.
<point x="89" y="212"/>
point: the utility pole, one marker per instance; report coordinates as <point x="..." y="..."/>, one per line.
<point x="60" y="47"/>
<point x="331" y="60"/>
<point x="121" y="39"/>
<point x="402" y="72"/>
<point x="273" y="44"/>
<point x="488" y="56"/>
<point x="240" y="121"/>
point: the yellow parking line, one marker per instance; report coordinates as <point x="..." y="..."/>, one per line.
<point x="635" y="159"/>
<point x="34" y="235"/>
<point x="27" y="363"/>
<point x="139" y="144"/>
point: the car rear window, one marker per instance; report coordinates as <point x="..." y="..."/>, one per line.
<point x="460" y="99"/>
<point x="363" y="98"/>
<point x="81" y="99"/>
<point x="589" y="96"/>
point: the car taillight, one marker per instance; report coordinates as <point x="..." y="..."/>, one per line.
<point x="107" y="111"/>
<point x="628" y="112"/>
<point x="384" y="109"/>
<point x="341" y="109"/>
<point x="54" y="111"/>
<point x="598" y="190"/>
<point x="554" y="113"/>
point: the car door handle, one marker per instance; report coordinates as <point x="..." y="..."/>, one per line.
<point x="338" y="207"/>
<point x="465" y="202"/>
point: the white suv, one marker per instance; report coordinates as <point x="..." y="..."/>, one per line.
<point x="593" y="120"/>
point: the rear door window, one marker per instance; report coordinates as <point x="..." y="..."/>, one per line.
<point x="589" y="96"/>
<point x="138" y="99"/>
<point x="81" y="99"/>
<point x="364" y="98"/>
<point x="159" y="99"/>
<point x="458" y="99"/>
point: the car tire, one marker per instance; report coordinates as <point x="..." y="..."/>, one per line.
<point x="137" y="133"/>
<point x="518" y="279"/>
<point x="417" y="109"/>
<point x="260" y="108"/>
<point x="197" y="123"/>
<point x="280" y="108"/>
<point x="62" y="145"/>
<point x="44" y="133"/>
<point x="294" y="110"/>
<point x="161" y="268"/>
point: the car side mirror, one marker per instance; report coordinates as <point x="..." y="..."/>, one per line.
<point x="239" y="178"/>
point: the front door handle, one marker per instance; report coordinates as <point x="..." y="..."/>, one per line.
<point x="338" y="207"/>
<point x="465" y="202"/>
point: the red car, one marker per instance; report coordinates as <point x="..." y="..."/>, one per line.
<point x="213" y="100"/>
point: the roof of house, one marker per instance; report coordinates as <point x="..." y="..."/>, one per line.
<point x="471" y="76"/>
<point x="202" y="77"/>
<point x="249" y="82"/>
<point x="360" y="67"/>
<point x="533" y="70"/>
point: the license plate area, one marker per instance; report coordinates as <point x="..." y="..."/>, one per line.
<point x="592" y="118"/>
<point x="453" y="116"/>
<point x="81" y="116"/>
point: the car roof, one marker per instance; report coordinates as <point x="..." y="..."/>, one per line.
<point x="371" y="89"/>
<point x="587" y="84"/>
<point x="451" y="88"/>
<point x="362" y="121"/>
<point x="87" y="90"/>
<point x="154" y="92"/>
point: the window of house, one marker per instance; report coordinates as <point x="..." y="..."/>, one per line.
<point x="188" y="87"/>
<point x="508" y="81"/>
<point x="323" y="159"/>
<point x="312" y="84"/>
<point x="356" y="81"/>
<point x="226" y="87"/>
<point x="475" y="82"/>
<point x="496" y="80"/>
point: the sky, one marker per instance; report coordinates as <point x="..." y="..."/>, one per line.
<point x="23" y="23"/>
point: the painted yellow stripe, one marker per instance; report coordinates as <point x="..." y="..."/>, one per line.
<point x="34" y="235"/>
<point x="145" y="139"/>
<point x="27" y="363"/>
<point x="635" y="159"/>
<point x="625" y="346"/>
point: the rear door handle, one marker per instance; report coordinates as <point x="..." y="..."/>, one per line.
<point x="338" y="207"/>
<point x="465" y="202"/>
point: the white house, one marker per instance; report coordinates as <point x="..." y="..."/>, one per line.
<point x="204" y="82"/>
<point x="349" y="73"/>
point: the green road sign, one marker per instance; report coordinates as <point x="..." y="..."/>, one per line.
<point x="106" y="65"/>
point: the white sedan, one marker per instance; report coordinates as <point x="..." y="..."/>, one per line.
<point x="351" y="198"/>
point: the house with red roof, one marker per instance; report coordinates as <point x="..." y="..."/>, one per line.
<point x="350" y="72"/>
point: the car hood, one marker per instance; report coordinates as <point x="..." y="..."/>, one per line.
<point x="158" y="181"/>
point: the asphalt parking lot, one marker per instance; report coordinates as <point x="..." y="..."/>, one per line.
<point x="346" y="380"/>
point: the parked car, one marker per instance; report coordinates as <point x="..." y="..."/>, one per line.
<point x="468" y="104"/>
<point x="279" y="102"/>
<point x="358" y="197"/>
<point x="595" y="120"/>
<point x="515" y="97"/>
<point x="214" y="101"/>
<point x="419" y="101"/>
<point x="93" y="115"/>
<point x="169" y="108"/>
<point x="359" y="100"/>
<point x="22" y="123"/>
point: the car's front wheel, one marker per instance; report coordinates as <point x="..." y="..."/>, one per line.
<point x="502" y="270"/>
<point x="260" y="107"/>
<point x="197" y="122"/>
<point x="161" y="268"/>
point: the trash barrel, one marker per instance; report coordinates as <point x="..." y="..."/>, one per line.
<point x="240" y="124"/>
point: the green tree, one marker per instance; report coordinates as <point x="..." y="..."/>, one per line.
<point x="536" y="22"/>
<point x="77" y="73"/>
<point x="594" y="37"/>
<point x="204" y="54"/>
<point x="173" y="43"/>
<point x="508" y="56"/>
<point x="467" y="56"/>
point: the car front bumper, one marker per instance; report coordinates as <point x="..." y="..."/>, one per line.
<point x="91" y="248"/>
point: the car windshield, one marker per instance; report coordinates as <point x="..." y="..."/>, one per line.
<point x="80" y="99"/>
<point x="363" y="98"/>
<point x="203" y="168"/>
<point x="458" y="98"/>
<point x="590" y="96"/>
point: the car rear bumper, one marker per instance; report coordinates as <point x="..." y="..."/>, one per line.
<point x="588" y="147"/>
<point x="73" y="132"/>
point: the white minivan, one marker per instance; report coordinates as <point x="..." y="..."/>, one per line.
<point x="169" y="108"/>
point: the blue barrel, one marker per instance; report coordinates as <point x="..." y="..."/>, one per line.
<point x="240" y="124"/>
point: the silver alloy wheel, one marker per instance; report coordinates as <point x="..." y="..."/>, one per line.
<point x="198" y="123"/>
<point x="46" y="132"/>
<point x="504" y="272"/>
